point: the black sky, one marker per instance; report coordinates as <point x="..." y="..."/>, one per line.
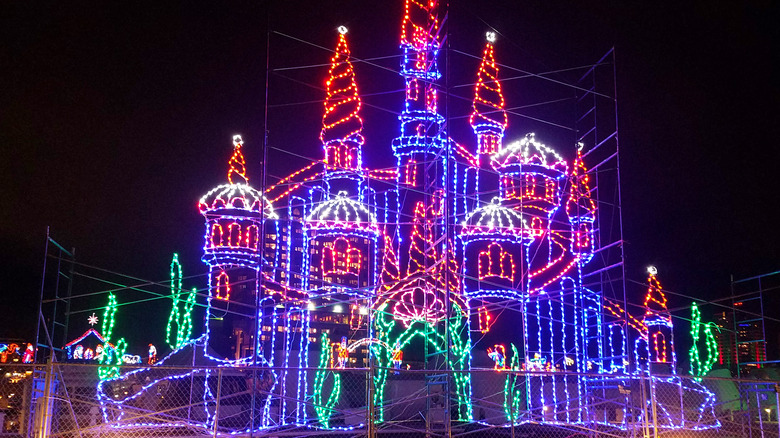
<point x="116" y="118"/>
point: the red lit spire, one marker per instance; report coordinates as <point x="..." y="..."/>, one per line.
<point x="237" y="163"/>
<point x="488" y="119"/>
<point x="655" y="300"/>
<point x="342" y="126"/>
<point x="580" y="203"/>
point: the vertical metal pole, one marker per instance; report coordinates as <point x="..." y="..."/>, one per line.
<point x="370" y="432"/>
<point x="645" y="416"/>
<point x="512" y="404"/>
<point x="760" y="414"/>
<point x="42" y="411"/>
<point x="41" y="319"/>
<point x="777" y="408"/>
<point x="655" y="409"/>
<point x="216" y="406"/>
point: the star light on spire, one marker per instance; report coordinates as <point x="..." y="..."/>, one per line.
<point x="92" y="319"/>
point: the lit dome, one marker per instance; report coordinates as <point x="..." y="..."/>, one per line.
<point x="236" y="197"/>
<point x="494" y="217"/>
<point x="342" y="211"/>
<point x="529" y="151"/>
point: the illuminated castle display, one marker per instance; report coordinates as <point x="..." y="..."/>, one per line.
<point x="351" y="265"/>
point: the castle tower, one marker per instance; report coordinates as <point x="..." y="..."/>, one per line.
<point x="581" y="210"/>
<point x="342" y="126"/>
<point x="421" y="151"/>
<point x="235" y="215"/>
<point x="659" y="336"/>
<point x="488" y="120"/>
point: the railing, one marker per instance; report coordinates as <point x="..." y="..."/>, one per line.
<point x="69" y="400"/>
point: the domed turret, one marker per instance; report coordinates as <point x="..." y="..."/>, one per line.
<point x="531" y="176"/>
<point x="494" y="217"/>
<point x="493" y="237"/>
<point x="342" y="236"/>
<point x="342" y="212"/>
<point x="234" y="213"/>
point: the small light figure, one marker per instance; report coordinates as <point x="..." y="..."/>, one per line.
<point x="92" y="319"/>
<point x="491" y="37"/>
<point x="652" y="270"/>
<point x="152" y="355"/>
<point x="29" y="354"/>
<point x="498" y="354"/>
<point x="343" y="353"/>
<point x="342" y="30"/>
<point x="237" y="141"/>
<point x="398" y="357"/>
<point x="99" y="352"/>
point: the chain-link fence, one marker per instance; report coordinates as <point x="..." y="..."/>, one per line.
<point x="71" y="400"/>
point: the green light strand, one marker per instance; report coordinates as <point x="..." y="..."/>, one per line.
<point x="512" y="394"/>
<point x="324" y="408"/>
<point x="385" y="325"/>
<point x="461" y="353"/>
<point x="701" y="367"/>
<point x="112" y="356"/>
<point x="179" y="328"/>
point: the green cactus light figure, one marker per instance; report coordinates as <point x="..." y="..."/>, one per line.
<point x="699" y="366"/>
<point x="179" y="329"/>
<point x="112" y="354"/>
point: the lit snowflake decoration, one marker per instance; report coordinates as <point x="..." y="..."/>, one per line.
<point x="92" y="320"/>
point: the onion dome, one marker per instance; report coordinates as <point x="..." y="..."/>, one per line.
<point x="493" y="218"/>
<point x="528" y="151"/>
<point x="341" y="122"/>
<point x="342" y="212"/>
<point x="236" y="197"/>
<point x="239" y="195"/>
<point x="488" y="106"/>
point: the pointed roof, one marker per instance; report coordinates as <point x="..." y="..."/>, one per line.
<point x="237" y="194"/>
<point x="237" y="163"/>
<point x="488" y="106"/>
<point x="655" y="299"/>
<point x="341" y="121"/>
<point x="580" y="204"/>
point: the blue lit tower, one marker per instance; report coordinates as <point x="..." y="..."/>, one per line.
<point x="341" y="230"/>
<point x="532" y="178"/>
<point x="421" y="150"/>
<point x="235" y="214"/>
<point x="581" y="213"/>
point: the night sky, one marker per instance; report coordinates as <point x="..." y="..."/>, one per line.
<point x="116" y="118"/>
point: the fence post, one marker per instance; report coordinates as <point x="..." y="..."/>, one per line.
<point x="777" y="408"/>
<point x="216" y="406"/>
<point x="370" y="391"/>
<point x="43" y="409"/>
<point x="512" y="404"/>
